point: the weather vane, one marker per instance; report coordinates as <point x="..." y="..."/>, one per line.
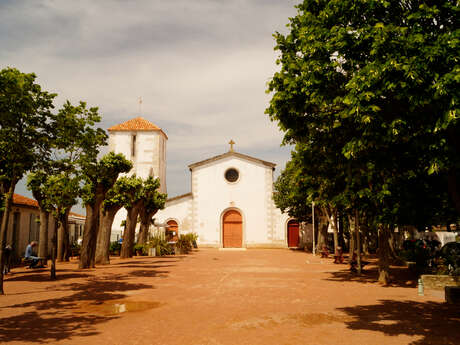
<point x="231" y="142"/>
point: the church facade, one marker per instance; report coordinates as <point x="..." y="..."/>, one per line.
<point x="230" y="204"/>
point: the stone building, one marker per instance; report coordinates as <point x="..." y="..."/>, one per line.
<point x="144" y="144"/>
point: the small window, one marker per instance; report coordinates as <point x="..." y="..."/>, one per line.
<point x="133" y="146"/>
<point x="231" y="175"/>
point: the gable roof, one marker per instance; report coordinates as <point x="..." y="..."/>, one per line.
<point x="137" y="124"/>
<point x="179" y="197"/>
<point x="234" y="154"/>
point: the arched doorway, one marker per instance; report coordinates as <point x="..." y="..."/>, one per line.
<point x="232" y="229"/>
<point x="293" y="233"/>
<point x="172" y="232"/>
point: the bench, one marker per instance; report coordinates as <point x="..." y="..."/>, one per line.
<point x="354" y="265"/>
<point x="338" y="257"/>
<point x="28" y="262"/>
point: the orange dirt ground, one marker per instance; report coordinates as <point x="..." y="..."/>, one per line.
<point x="221" y="297"/>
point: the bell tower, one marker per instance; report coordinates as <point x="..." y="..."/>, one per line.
<point x="144" y="144"/>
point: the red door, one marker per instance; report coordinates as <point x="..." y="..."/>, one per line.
<point x="232" y="230"/>
<point x="293" y="233"/>
<point x="173" y="227"/>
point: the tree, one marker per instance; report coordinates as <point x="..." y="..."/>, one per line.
<point x="25" y="113"/>
<point x="383" y="75"/>
<point x="151" y="202"/>
<point x="99" y="177"/>
<point x="61" y="194"/>
<point x="132" y="206"/>
<point x="116" y="198"/>
<point x="35" y="183"/>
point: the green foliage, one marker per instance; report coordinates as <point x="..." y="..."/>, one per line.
<point x="184" y="244"/>
<point x="25" y="114"/>
<point x="140" y="248"/>
<point x="152" y="200"/>
<point x="368" y="92"/>
<point x="162" y="247"/>
<point x="450" y="256"/>
<point x="115" y="247"/>
<point x="100" y="176"/>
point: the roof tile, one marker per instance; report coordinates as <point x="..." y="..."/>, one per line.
<point x="137" y="124"/>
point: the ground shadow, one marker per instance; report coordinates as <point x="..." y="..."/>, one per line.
<point x="64" y="317"/>
<point x="433" y="322"/>
<point x="400" y="276"/>
<point x="40" y="277"/>
<point x="46" y="327"/>
<point x="148" y="273"/>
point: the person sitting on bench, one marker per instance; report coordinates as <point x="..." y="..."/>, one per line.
<point x="29" y="256"/>
<point x="324" y="252"/>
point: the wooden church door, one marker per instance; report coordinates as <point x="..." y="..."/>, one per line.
<point x="232" y="232"/>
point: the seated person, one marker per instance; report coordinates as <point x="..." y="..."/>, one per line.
<point x="30" y="255"/>
<point x="324" y="252"/>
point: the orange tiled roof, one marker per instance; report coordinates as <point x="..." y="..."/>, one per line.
<point x="23" y="200"/>
<point x="76" y="215"/>
<point x="137" y="124"/>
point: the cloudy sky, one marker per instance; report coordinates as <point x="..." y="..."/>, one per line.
<point x="200" y="66"/>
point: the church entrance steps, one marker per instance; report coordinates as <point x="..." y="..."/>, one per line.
<point x="232" y="249"/>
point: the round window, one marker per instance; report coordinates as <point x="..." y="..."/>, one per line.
<point x="231" y="175"/>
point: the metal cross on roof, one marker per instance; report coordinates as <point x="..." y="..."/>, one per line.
<point x="231" y="142"/>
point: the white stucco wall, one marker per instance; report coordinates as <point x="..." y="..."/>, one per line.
<point x="179" y="210"/>
<point x="150" y="156"/>
<point x="213" y="195"/>
<point x="150" y="152"/>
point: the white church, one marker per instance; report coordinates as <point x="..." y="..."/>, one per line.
<point x="230" y="204"/>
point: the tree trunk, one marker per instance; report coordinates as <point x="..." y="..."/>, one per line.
<point x="340" y="229"/>
<point x="103" y="237"/>
<point x="322" y="233"/>
<point x="54" y="249"/>
<point x="351" y="247"/>
<point x="335" y="228"/>
<point x="384" y="254"/>
<point x="4" y="228"/>
<point x="43" y="243"/>
<point x="365" y="231"/>
<point x="358" y="242"/>
<point x="63" y="244"/>
<point x="146" y="220"/>
<point x="130" y="232"/>
<point x="88" y="245"/>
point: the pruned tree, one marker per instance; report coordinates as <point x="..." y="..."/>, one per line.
<point x="99" y="177"/>
<point x="151" y="201"/>
<point x="116" y="198"/>
<point x="132" y="206"/>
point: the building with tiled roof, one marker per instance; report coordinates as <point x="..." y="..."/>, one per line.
<point x="138" y="124"/>
<point x="24" y="226"/>
<point x="144" y="143"/>
<point x="22" y="200"/>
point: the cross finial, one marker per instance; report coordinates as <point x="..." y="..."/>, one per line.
<point x="140" y="105"/>
<point x="231" y="142"/>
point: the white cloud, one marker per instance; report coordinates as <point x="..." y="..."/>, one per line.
<point x="200" y="66"/>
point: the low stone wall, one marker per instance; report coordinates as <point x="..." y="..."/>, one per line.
<point x="438" y="282"/>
